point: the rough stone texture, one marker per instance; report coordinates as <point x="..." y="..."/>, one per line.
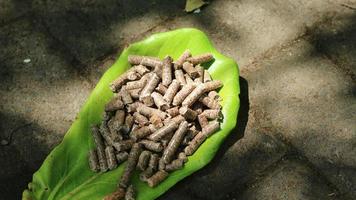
<point x="289" y="179"/>
<point x="297" y="60"/>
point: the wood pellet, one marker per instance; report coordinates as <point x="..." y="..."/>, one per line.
<point x="161" y="112"/>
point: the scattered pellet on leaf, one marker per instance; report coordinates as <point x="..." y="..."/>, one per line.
<point x="130" y="193"/>
<point x="179" y="62"/>
<point x="194" y="95"/>
<point x="207" y="76"/>
<point x="121" y="157"/>
<point x="114" y="104"/>
<point x="123" y="145"/>
<point x="150" y="86"/>
<point x="212" y="113"/>
<point x="157" y="178"/>
<point x="172" y="112"/>
<point x="191" y="71"/>
<point x="203" y="58"/>
<point x="179" y="75"/>
<point x="174" y="165"/>
<point x="188" y="113"/>
<point x="167" y="71"/>
<point x="110" y="157"/>
<point x="93" y="161"/>
<point x="143" y="160"/>
<point x="159" y="101"/>
<point x="140" y="133"/>
<point x="161" y="89"/>
<point x="131" y="165"/>
<point x="160" y="133"/>
<point x="140" y="119"/>
<point x="212" y="85"/>
<point x="99" y="148"/>
<point x="144" y="60"/>
<point x="183" y="93"/>
<point x="171" y="91"/>
<point x="174" y="143"/>
<point x="151" y="145"/>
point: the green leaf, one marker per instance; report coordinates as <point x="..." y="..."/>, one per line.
<point x="65" y="173"/>
<point x="191" y="5"/>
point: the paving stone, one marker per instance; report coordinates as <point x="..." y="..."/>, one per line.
<point x="40" y="95"/>
<point x="289" y="179"/>
<point x="311" y="102"/>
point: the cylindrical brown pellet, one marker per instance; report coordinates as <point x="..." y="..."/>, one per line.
<point x="174" y="165"/>
<point x="130" y="193"/>
<point x="144" y="60"/>
<point x="93" y="161"/>
<point x="203" y="58"/>
<point x="212" y="85"/>
<point x="135" y="93"/>
<point x="148" y="101"/>
<point x="121" y="80"/>
<point x="156" y="121"/>
<point x="174" y="143"/>
<point x="150" y="86"/>
<point x="125" y="96"/>
<point x="177" y="119"/>
<point x="152" y="128"/>
<point x="183" y="93"/>
<point x="151" y="145"/>
<point x="139" y="84"/>
<point x="158" y="70"/>
<point x="123" y="145"/>
<point x="148" y="111"/>
<point x="214" y="95"/>
<point x="188" y="113"/>
<point x="210" y="103"/>
<point x="133" y="107"/>
<point x="129" y="120"/>
<point x="179" y="62"/>
<point x="183" y="157"/>
<point x="107" y="116"/>
<point x="146" y="174"/>
<point x="110" y="157"/>
<point x="211" y="128"/>
<point x="159" y="101"/>
<point x="188" y="79"/>
<point x="118" y="194"/>
<point x="171" y="91"/>
<point x="106" y="134"/>
<point x="140" y="133"/>
<point x="161" y="164"/>
<point x="140" y="119"/>
<point x="140" y="69"/>
<point x="194" y="95"/>
<point x="160" y="133"/>
<point x="100" y="148"/>
<point x="191" y="71"/>
<point x="195" y="143"/>
<point x="131" y="164"/>
<point x="200" y="70"/>
<point x="211" y="113"/>
<point x="114" y="104"/>
<point x="151" y="169"/>
<point x="161" y="89"/>
<point x="143" y="160"/>
<point x="207" y="76"/>
<point x="172" y="112"/>
<point x="179" y="75"/>
<point x="167" y="71"/>
<point x="203" y="121"/>
<point x="157" y="178"/>
<point x="121" y="157"/>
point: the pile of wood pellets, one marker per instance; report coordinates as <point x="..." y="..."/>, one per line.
<point x="161" y="112"/>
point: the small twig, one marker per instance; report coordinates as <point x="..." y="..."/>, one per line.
<point x="9" y="140"/>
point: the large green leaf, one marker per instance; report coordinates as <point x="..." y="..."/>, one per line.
<point x="65" y="173"/>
